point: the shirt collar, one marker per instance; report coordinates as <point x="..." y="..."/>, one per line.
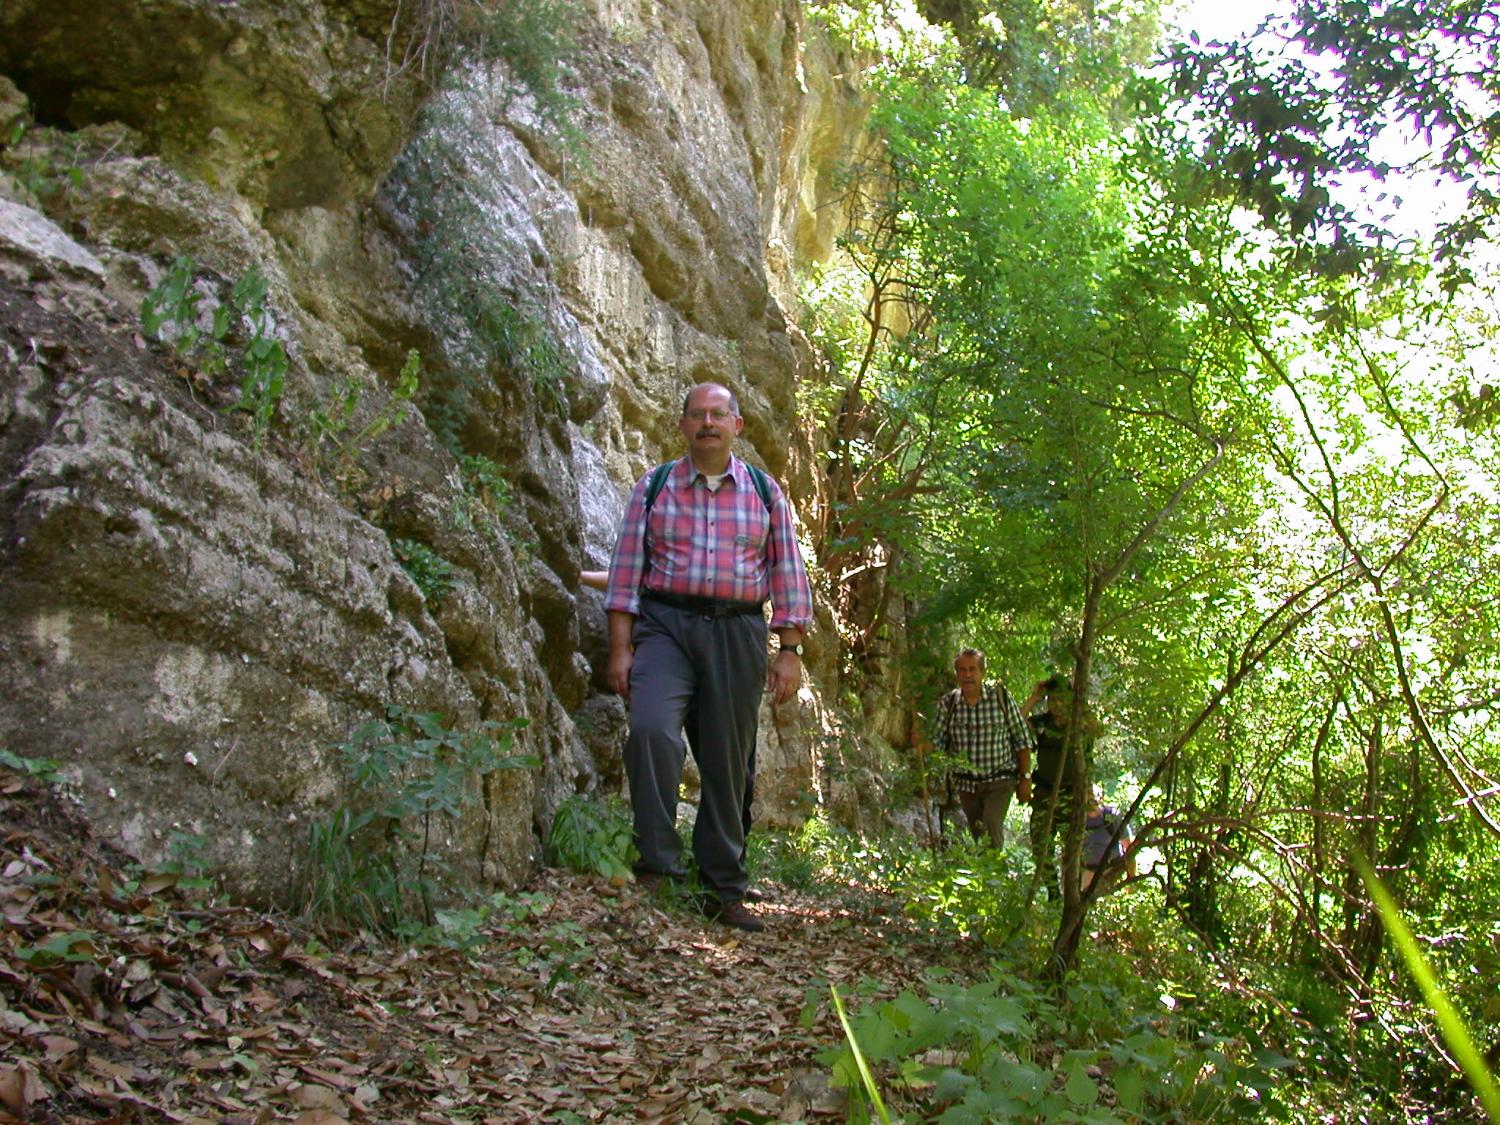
<point x="687" y="473"/>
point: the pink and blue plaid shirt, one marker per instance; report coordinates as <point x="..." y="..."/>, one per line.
<point x="720" y="544"/>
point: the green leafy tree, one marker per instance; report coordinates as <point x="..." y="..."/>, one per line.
<point x="1089" y="414"/>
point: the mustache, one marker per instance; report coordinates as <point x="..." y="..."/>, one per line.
<point x="708" y="431"/>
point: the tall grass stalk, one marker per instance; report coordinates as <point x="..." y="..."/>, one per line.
<point x="866" y="1078"/>
<point x="1449" y="1022"/>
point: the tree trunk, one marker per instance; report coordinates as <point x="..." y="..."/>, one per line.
<point x="1075" y="774"/>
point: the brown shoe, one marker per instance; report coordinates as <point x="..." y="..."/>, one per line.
<point x="737" y="915"/>
<point x="752" y="895"/>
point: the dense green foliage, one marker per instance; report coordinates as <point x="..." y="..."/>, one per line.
<point x="1297" y="117"/>
<point x="1152" y="1025"/>
<point x="1117" y="400"/>
<point x="585" y="837"/>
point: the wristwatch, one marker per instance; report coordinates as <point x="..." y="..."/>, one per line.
<point x="797" y="648"/>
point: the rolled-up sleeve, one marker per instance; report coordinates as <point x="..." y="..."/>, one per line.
<point x="627" y="567"/>
<point x="791" y="593"/>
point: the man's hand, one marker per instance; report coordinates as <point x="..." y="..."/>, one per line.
<point x="621" y="653"/>
<point x="617" y="673"/>
<point x="1023" y="790"/>
<point x="785" y="677"/>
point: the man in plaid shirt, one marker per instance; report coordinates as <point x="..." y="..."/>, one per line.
<point x="688" y="583"/>
<point x="980" y="723"/>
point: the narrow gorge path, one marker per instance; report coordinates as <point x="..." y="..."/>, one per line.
<point x="123" y="997"/>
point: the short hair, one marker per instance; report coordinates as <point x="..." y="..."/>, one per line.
<point x="734" y="403"/>
<point x="970" y="651"/>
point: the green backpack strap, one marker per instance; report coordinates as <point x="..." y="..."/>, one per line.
<point x="659" y="481"/>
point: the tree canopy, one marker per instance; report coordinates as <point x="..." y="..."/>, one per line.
<point x="1132" y="385"/>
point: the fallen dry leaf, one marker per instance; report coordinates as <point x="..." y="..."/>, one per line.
<point x="20" y="1088"/>
<point x="308" y="1096"/>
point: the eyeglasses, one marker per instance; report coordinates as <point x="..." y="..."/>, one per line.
<point x="718" y="414"/>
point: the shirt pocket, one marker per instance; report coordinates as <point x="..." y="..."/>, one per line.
<point x="748" y="558"/>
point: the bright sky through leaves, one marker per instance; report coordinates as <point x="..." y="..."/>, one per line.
<point x="1424" y="201"/>
<point x="1220" y="19"/>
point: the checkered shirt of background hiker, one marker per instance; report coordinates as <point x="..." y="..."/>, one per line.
<point x="986" y="734"/>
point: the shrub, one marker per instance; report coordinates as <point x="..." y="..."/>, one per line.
<point x="432" y="573"/>
<point x="372" y="863"/>
<point x="171" y="313"/>
<point x="592" y="838"/>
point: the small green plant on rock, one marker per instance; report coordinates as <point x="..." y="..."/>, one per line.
<point x="485" y="495"/>
<point x="484" y="481"/>
<point x="172" y="313"/>
<point x="432" y="573"/>
<point x="373" y="862"/>
<point x="38" y="170"/>
<point x="330" y="423"/>
<point x="264" y="359"/>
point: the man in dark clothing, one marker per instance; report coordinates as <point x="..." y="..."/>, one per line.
<point x="1052" y="791"/>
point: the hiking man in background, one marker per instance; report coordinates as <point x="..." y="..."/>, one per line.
<point x="1053" y="790"/>
<point x="981" y="724"/>
<point x="703" y="545"/>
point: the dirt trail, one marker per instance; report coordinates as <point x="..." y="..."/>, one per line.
<point x="123" y="998"/>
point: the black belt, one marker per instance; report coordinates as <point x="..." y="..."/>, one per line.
<point x="704" y="607"/>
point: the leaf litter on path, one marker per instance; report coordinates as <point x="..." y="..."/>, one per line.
<point x="133" y="1000"/>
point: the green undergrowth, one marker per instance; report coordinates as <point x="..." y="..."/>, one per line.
<point x="375" y="861"/>
<point x="592" y="838"/>
<point x="1151" y="1026"/>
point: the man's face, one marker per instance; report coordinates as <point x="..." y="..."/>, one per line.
<point x="710" y="423"/>
<point x="970" y="674"/>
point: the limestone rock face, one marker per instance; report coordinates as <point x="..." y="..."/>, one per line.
<point x="284" y="104"/>
<point x="196" y="609"/>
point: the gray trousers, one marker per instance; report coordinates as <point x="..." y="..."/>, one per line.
<point x="985" y="810"/>
<point x="712" y="670"/>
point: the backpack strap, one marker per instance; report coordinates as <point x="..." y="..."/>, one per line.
<point x="762" y="484"/>
<point x="659" y="481"/>
<point x="950" y="707"/>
